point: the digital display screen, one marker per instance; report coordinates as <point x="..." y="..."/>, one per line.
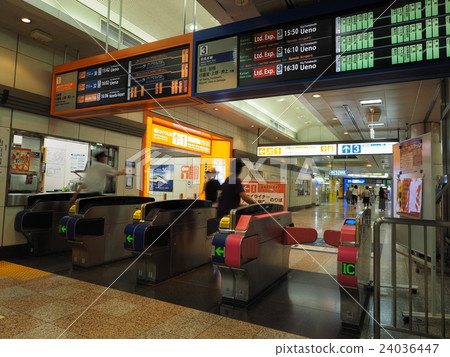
<point x="350" y="222"/>
<point x="288" y="52"/>
<point x="154" y="75"/>
<point x="413" y="32"/>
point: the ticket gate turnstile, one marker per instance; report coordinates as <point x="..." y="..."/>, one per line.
<point x="170" y="237"/>
<point x="252" y="249"/>
<point x="39" y="221"/>
<point x="354" y="242"/>
<point x="94" y="228"/>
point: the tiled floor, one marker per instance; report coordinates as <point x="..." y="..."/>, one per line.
<point x="46" y="298"/>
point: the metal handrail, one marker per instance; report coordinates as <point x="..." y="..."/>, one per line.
<point x="377" y="266"/>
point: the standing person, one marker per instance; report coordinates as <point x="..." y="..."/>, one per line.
<point x="348" y="195"/>
<point x="382" y="199"/>
<point x="355" y="195"/>
<point x="232" y="190"/>
<point x="366" y="197"/>
<point x="212" y="186"/>
<point x="96" y="174"/>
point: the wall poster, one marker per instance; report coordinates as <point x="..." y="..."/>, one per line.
<point x="161" y="178"/>
<point x="409" y="197"/>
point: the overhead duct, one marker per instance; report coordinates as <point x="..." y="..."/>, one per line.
<point x="352" y="118"/>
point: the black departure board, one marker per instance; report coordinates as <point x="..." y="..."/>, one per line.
<point x="288" y="52"/>
<point x="101" y="85"/>
<point x="407" y="33"/>
<point x="155" y="75"/>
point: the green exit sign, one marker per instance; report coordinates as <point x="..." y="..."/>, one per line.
<point x="348" y="269"/>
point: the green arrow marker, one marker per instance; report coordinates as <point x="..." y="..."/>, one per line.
<point x="129" y="238"/>
<point x="219" y="251"/>
<point x="63" y="229"/>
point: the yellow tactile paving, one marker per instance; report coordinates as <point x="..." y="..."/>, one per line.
<point x="20" y="272"/>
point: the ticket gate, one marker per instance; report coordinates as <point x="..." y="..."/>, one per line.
<point x="94" y="228"/>
<point x="354" y="242"/>
<point x="39" y="221"/>
<point x="170" y="237"/>
<point x="252" y="249"/>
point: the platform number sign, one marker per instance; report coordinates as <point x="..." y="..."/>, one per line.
<point x="356" y="149"/>
<point x="203" y="50"/>
<point x="348" y="269"/>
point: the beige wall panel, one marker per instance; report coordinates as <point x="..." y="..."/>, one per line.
<point x="34" y="76"/>
<point x="63" y="128"/>
<point x="134" y="142"/>
<point x="114" y="138"/>
<point x="32" y="48"/>
<point x="8" y="39"/>
<point x="3" y="173"/>
<point x="10" y="236"/>
<point x="8" y="61"/>
<point x="5" y="117"/>
<point x="137" y="117"/>
<point x="2" y="209"/>
<point x="30" y="122"/>
<point x="91" y="134"/>
<point x="4" y="147"/>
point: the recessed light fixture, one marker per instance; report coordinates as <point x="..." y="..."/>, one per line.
<point x="276" y="137"/>
<point x="215" y="108"/>
<point x="334" y="118"/>
<point x="371" y="102"/>
<point x="252" y="126"/>
<point x="345" y="132"/>
<point x="370" y="125"/>
<point x="316" y="95"/>
<point x="25" y="20"/>
<point x="281" y="99"/>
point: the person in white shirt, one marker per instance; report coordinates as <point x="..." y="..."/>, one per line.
<point x="96" y="174"/>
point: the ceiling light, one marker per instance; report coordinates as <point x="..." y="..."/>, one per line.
<point x="25" y="20"/>
<point x="276" y="137"/>
<point x="346" y="132"/>
<point x="252" y="126"/>
<point x="316" y="95"/>
<point x="375" y="124"/>
<point x="216" y="108"/>
<point x="281" y="99"/>
<point x="334" y="118"/>
<point x="371" y="102"/>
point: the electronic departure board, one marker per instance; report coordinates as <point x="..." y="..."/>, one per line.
<point x="289" y="52"/>
<point x="417" y="31"/>
<point x="408" y="32"/>
<point x="158" y="74"/>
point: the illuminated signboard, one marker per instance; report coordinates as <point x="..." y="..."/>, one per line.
<point x="297" y="150"/>
<point x="180" y="139"/>
<point x="412" y="33"/>
<point x="338" y="172"/>
<point x="356" y="181"/>
<point x="348" y="269"/>
<point x="370" y="148"/>
<point x="323" y="48"/>
<point x="288" y="52"/>
<point x="159" y="74"/>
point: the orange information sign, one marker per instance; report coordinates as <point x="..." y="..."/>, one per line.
<point x="268" y="192"/>
<point x="175" y="138"/>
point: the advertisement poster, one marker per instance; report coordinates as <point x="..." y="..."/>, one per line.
<point x="161" y="178"/>
<point x="269" y="192"/>
<point x="409" y="198"/>
<point x="20" y="159"/>
<point x="411" y="155"/>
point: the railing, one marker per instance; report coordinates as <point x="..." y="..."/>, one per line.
<point x="429" y="262"/>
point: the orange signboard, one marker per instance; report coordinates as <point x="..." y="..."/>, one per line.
<point x="180" y="139"/>
<point x="266" y="192"/>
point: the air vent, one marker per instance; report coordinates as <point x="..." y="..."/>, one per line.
<point x="345" y="157"/>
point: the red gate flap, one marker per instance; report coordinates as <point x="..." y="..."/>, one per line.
<point x="299" y="235"/>
<point x="332" y="237"/>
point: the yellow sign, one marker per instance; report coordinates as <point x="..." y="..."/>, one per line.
<point x="174" y="138"/>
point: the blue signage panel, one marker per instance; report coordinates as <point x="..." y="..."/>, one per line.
<point x="338" y="172"/>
